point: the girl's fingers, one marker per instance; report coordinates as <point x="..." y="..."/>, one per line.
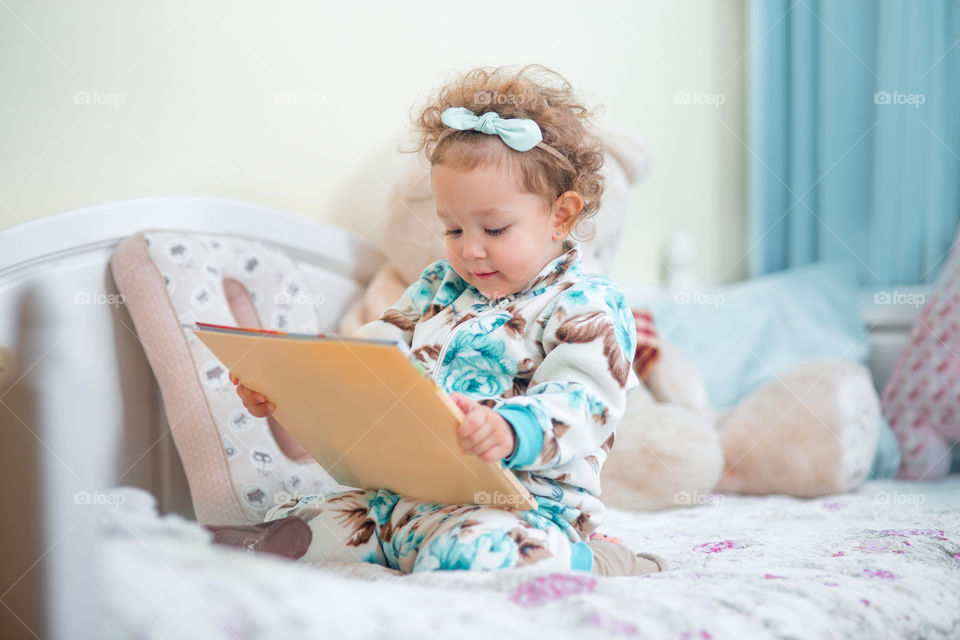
<point x="491" y="449"/>
<point x="463" y="402"/>
<point x="470" y="424"/>
<point x="474" y="420"/>
<point x="483" y="446"/>
<point x="250" y="395"/>
<point x="234" y="379"/>
<point x="261" y="407"/>
<point x="255" y="403"/>
<point x="492" y="454"/>
<point x="480" y="434"/>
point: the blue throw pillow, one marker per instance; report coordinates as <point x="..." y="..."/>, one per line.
<point x="739" y="336"/>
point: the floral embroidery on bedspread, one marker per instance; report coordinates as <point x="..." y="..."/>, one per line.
<point x="556" y="586"/>
<point x="773" y="567"/>
<point x="717" y="547"/>
<point x="879" y="573"/>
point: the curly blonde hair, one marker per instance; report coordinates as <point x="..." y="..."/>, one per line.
<point x="533" y="92"/>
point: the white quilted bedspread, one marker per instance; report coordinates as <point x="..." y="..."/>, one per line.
<point x="883" y="562"/>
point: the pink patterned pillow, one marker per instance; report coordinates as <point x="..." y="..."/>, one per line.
<point x="922" y="397"/>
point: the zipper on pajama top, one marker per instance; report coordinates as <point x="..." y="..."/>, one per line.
<point x="443" y="349"/>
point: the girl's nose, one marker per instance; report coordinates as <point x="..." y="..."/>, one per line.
<point x="473" y="249"/>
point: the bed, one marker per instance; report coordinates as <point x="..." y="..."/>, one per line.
<point x="883" y="562"/>
<point x="81" y="416"/>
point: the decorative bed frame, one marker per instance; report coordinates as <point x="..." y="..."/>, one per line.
<point x="80" y="407"/>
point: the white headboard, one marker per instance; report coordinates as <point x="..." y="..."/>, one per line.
<point x="79" y="407"/>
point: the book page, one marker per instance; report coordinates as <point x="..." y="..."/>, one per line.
<point x="367" y="415"/>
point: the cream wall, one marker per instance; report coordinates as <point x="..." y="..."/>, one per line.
<point x="301" y="105"/>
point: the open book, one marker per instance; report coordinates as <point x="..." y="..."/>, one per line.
<point x="366" y="413"/>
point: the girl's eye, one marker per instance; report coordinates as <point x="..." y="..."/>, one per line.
<point x="496" y="232"/>
<point x="452" y="232"/>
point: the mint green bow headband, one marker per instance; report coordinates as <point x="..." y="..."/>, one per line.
<point x="521" y="134"/>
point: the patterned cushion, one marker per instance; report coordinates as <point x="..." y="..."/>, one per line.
<point x="922" y="397"/>
<point x="171" y="278"/>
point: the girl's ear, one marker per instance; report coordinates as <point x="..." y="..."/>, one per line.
<point x="566" y="209"/>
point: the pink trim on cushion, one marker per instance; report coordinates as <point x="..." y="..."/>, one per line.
<point x="188" y="412"/>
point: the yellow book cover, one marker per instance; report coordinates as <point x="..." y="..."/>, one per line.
<point x="366" y="413"/>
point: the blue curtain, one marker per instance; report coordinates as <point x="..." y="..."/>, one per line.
<point x="854" y="135"/>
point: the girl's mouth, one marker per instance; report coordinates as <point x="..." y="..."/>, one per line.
<point x="485" y="275"/>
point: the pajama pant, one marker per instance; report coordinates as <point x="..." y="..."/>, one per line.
<point x="383" y="528"/>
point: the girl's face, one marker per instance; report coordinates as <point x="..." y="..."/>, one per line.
<point x="498" y="237"/>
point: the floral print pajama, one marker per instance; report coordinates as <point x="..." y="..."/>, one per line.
<point x="383" y="528"/>
<point x="555" y="361"/>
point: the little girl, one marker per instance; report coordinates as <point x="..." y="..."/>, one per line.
<point x="535" y="351"/>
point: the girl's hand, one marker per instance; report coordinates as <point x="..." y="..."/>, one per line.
<point x="483" y="432"/>
<point x="256" y="403"/>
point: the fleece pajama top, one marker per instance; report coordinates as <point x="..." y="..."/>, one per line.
<point x="555" y="361"/>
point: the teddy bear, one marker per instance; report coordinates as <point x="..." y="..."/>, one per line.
<point x="671" y="448"/>
<point x="808" y="432"/>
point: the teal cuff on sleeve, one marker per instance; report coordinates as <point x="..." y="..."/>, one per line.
<point x="581" y="557"/>
<point x="528" y="432"/>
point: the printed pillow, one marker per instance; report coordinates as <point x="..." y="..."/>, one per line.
<point x="235" y="468"/>
<point x="922" y="397"/>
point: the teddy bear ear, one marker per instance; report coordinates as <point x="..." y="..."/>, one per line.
<point x="629" y="151"/>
